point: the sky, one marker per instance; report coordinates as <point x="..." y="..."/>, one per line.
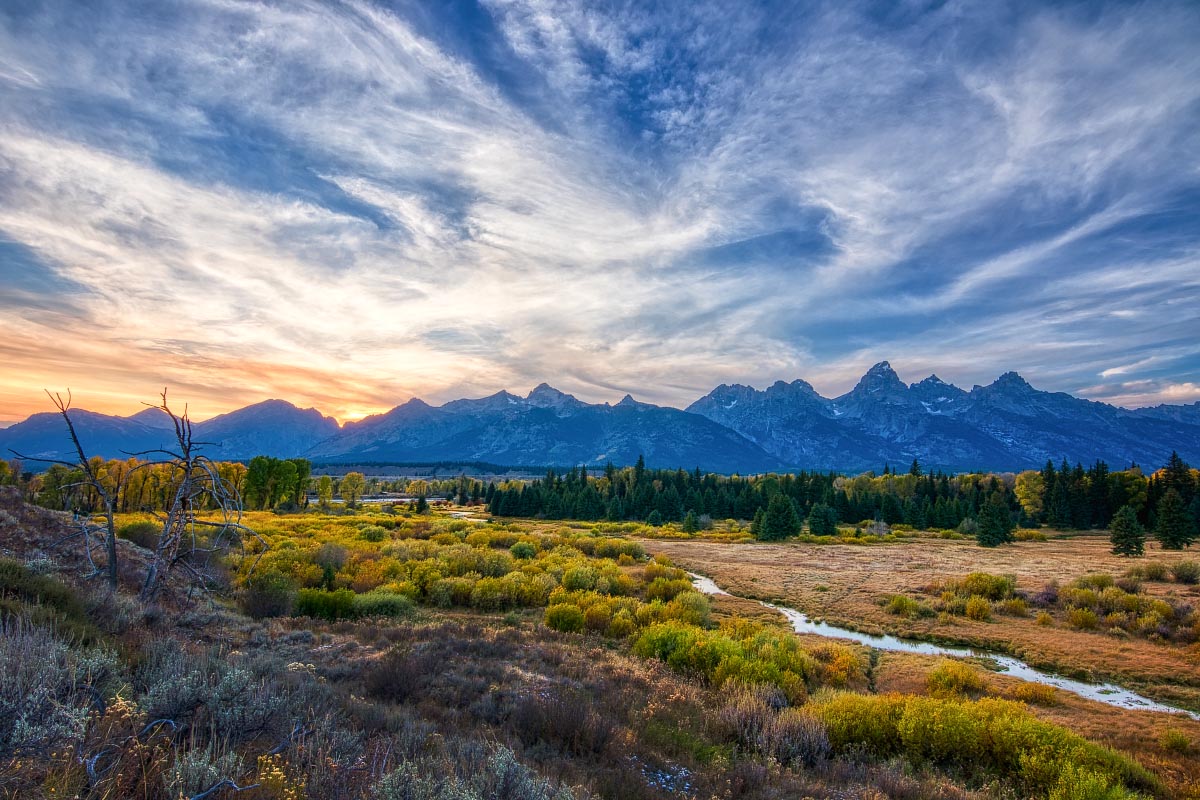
<point x="349" y="204"/>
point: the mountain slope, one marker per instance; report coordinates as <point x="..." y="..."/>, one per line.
<point x="1005" y="425"/>
<point x="45" y="435"/>
<point x="545" y="428"/>
<point x="273" y="427"/>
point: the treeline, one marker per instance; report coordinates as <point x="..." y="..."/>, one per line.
<point x="265" y="483"/>
<point x="637" y="493"/>
<point x="1062" y="497"/>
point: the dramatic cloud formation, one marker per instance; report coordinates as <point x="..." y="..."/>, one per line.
<point x="348" y="204"/>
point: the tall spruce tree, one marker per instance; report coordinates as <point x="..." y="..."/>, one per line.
<point x="780" y="519"/>
<point x="1127" y="535"/>
<point x="1175" y="528"/>
<point x="995" y="522"/>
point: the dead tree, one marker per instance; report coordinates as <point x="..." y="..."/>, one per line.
<point x="107" y="495"/>
<point x="187" y="541"/>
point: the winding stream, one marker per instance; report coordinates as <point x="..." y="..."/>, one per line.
<point x="1108" y="693"/>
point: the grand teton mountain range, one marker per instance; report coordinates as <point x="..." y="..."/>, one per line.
<point x="1006" y="425"/>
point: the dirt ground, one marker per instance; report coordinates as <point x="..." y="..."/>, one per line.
<point x="845" y="584"/>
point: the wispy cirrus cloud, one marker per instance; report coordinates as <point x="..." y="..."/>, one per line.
<point x="350" y="204"/>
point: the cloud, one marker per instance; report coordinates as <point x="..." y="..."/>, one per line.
<point x="347" y="206"/>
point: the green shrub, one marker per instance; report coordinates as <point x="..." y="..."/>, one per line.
<point x="566" y="617"/>
<point x="690" y="607"/>
<point x="268" y="594"/>
<point x="373" y="533"/>
<point x="1186" y="572"/>
<point x="143" y="534"/>
<point x="906" y="607"/>
<point x="325" y="604"/>
<point x="381" y="604"/>
<point x="523" y="550"/>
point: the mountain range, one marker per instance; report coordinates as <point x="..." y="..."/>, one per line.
<point x="1006" y="425"/>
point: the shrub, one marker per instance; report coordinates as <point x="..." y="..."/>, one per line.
<point x="325" y="604"/>
<point x="992" y="587"/>
<point x="562" y="718"/>
<point x="903" y="606"/>
<point x="523" y="550"/>
<point x="995" y="735"/>
<point x="796" y="736"/>
<point x="690" y="607"/>
<point x="195" y="770"/>
<point x="143" y="534"/>
<point x="579" y="578"/>
<point x="381" y="604"/>
<point x="666" y="589"/>
<point x="978" y="608"/>
<point x="746" y="714"/>
<point x="566" y="617"/>
<point x="268" y="594"/>
<point x="1082" y="618"/>
<point x="952" y="678"/>
<point x="398" y="674"/>
<point x="1014" y="607"/>
<point x="1154" y="571"/>
<point x="1036" y="694"/>
<point x="1175" y="741"/>
<point x="373" y="533"/>
<point x="1044" y="619"/>
<point x="1097" y="580"/>
<point x="1186" y="572"/>
<point x="45" y="688"/>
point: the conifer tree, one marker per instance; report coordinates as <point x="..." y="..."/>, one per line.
<point x="1127" y="535"/>
<point x="1175" y="528"/>
<point x="995" y="522"/>
<point x="690" y="523"/>
<point x="780" y="519"/>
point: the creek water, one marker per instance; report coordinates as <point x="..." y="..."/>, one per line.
<point x="1108" y="693"/>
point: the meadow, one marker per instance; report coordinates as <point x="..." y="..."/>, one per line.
<point x="389" y="654"/>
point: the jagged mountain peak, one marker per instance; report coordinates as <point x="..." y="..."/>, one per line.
<point x="1012" y="380"/>
<point x="546" y="396"/>
<point x="880" y="381"/>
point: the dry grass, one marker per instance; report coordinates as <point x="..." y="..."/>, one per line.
<point x="853" y="581"/>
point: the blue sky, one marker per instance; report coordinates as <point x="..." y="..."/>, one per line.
<point x="349" y="204"/>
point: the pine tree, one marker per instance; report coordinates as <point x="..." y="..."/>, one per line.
<point x="757" y="523"/>
<point x="1175" y="528"/>
<point x="780" y="520"/>
<point x="995" y="522"/>
<point x="1127" y="535"/>
<point x="822" y="520"/>
<point x="690" y="523"/>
